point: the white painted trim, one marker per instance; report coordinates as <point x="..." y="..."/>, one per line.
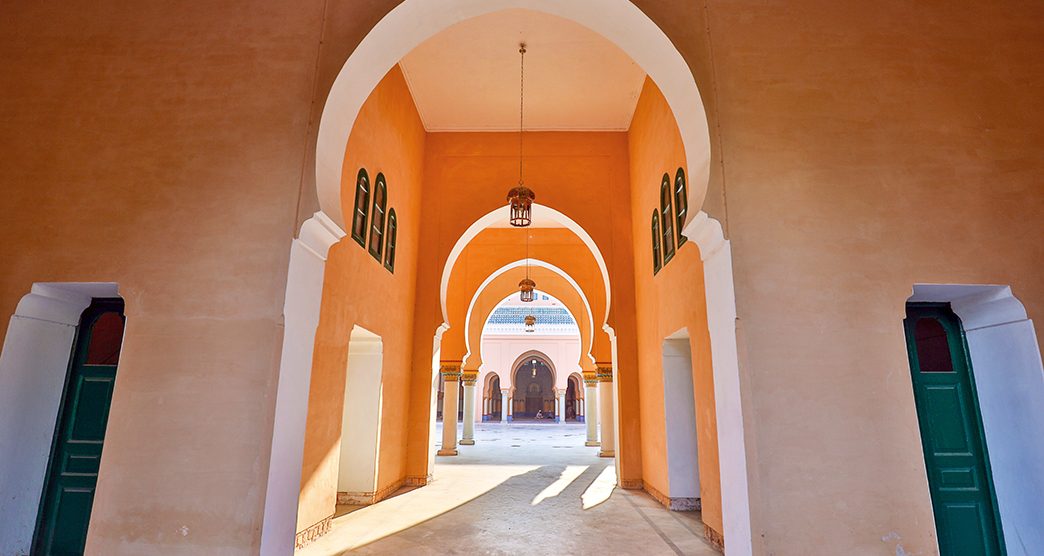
<point x="516" y="264"/>
<point x="304" y="290"/>
<point x="1009" y="381"/>
<point x="719" y="289"/>
<point x="33" y="368"/>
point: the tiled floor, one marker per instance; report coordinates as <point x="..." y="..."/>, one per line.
<point x="522" y="489"/>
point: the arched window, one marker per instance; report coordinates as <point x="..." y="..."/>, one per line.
<point x="362" y="204"/>
<point x="389" y="251"/>
<point x="380" y="199"/>
<point x="681" y="204"/>
<point x="656" y="241"/>
<point x="667" y="218"/>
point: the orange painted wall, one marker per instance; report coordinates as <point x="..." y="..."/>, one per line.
<point x="671" y="300"/>
<point x="493" y="248"/>
<point x="466" y="176"/>
<point x="388" y="137"/>
<point x="548" y="282"/>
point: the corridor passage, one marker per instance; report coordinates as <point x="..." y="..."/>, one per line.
<point x="523" y="488"/>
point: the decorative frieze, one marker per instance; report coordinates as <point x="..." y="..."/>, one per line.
<point x="469" y="377"/>
<point x="604" y="373"/>
<point x="314" y="532"/>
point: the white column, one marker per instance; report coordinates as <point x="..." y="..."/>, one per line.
<point x="469" y="378"/>
<point x="504" y="401"/>
<point x="591" y="407"/>
<point x="304" y="292"/>
<point x="605" y="387"/>
<point x="560" y="407"/>
<point x="720" y="293"/>
<point x="451" y="380"/>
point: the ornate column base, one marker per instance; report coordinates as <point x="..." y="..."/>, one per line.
<point x="605" y="454"/>
<point x="592" y="443"/>
<point x="452" y="452"/>
<point x="467" y="442"/>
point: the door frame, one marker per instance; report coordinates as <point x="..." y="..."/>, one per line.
<point x="97" y="307"/>
<point x="945" y="310"/>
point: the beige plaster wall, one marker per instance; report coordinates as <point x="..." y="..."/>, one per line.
<point x="161" y="146"/>
<point x="867" y="148"/>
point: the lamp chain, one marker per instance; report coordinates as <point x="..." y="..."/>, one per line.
<point x="521" y="103"/>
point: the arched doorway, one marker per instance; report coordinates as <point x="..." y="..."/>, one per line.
<point x="534" y="391"/>
<point x="492" y="406"/>
<point x="403" y="28"/>
<point x="574" y="399"/>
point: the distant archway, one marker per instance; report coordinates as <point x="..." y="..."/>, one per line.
<point x="402" y="29"/>
<point x="533" y="391"/>
<point x="537" y="263"/>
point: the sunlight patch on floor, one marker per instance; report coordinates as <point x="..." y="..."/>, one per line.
<point x="600" y="489"/>
<point x="455" y="485"/>
<point x="569" y="474"/>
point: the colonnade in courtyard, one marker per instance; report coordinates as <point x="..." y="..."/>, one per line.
<point x="596" y="407"/>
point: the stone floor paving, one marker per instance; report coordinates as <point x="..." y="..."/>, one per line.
<point x="522" y="489"/>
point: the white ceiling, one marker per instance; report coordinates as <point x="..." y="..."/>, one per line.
<point x="466" y="78"/>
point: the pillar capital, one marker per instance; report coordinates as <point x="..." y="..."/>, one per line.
<point x="469" y="377"/>
<point x="604" y="373"/>
<point x="450" y="370"/>
<point x="590" y="378"/>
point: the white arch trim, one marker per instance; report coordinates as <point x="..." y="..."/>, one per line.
<point x="414" y="21"/>
<point x="516" y="264"/>
<point x="501" y="215"/>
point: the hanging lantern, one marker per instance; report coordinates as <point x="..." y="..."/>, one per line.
<point x="527" y="290"/>
<point x="534" y="368"/>
<point x="521" y="201"/>
<point x="520" y="198"/>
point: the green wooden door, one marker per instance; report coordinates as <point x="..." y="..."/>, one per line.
<point x="65" y="508"/>
<point x="966" y="518"/>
